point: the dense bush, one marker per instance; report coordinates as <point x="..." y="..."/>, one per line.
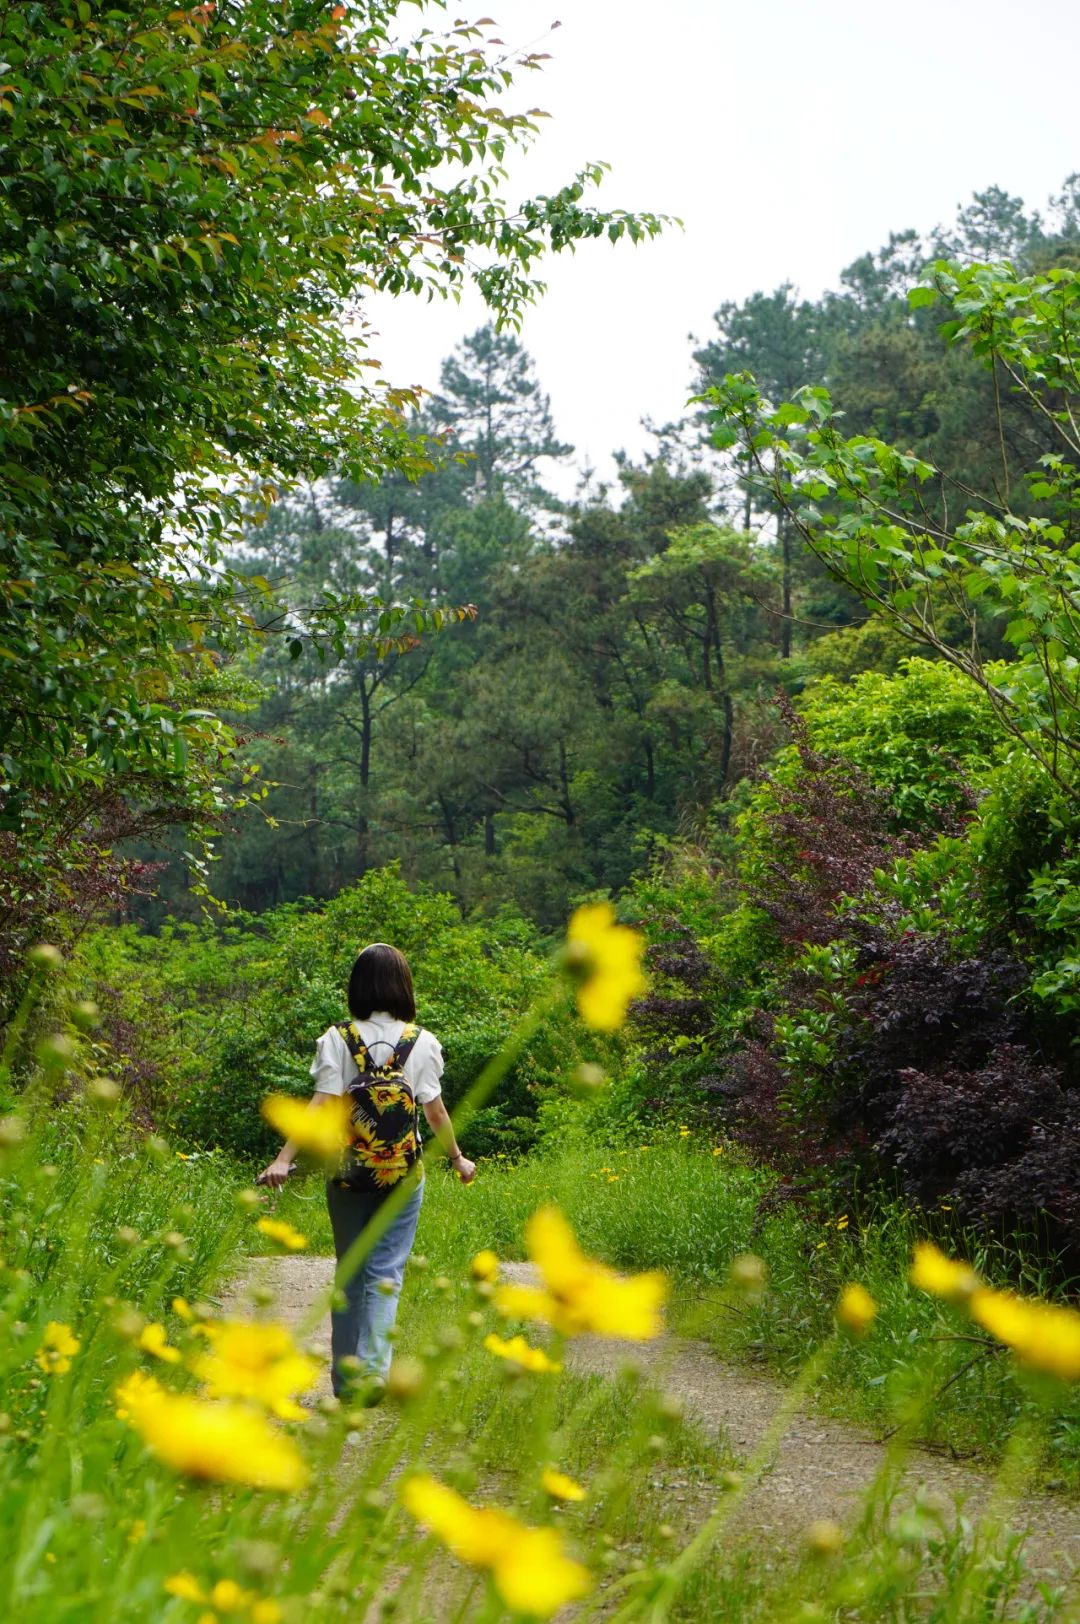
<point x="209" y="1018"/>
<point x="907" y="892"/>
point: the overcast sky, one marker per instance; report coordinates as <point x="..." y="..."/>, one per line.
<point x="789" y="137"/>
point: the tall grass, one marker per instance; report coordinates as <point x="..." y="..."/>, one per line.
<point x="677" y="1206"/>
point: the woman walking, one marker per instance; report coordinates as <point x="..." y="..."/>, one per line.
<point x="386" y="1065"/>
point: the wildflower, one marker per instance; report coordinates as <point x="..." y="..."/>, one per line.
<point x="406" y="1379"/>
<point x="185" y="1586"/>
<point x="12" y="1132"/>
<point x="137" y="1531"/>
<point x="266" y="1611"/>
<point x="825" y="1538"/>
<point x="152" y="1339"/>
<point x="182" y="1309"/>
<point x="939" y="1275"/>
<point x="485" y="1265"/>
<point x="1044" y="1336"/>
<point x="58" y="1347"/>
<point x="843" y="1221"/>
<point x="259" y="1363"/>
<point x="228" y="1597"/>
<point x="529" y="1566"/>
<point x="519" y="1352"/>
<point x="606" y="958"/>
<point x="322" y="1129"/>
<point x="276" y="1229"/>
<point x="579" y="1294"/>
<point x="134" y="1391"/>
<point x="559" y="1486"/>
<point x="856" y="1309"/>
<point x="748" y="1273"/>
<point x="718" y="1150"/>
<point x="613" y="1178"/>
<point x="226" y="1443"/>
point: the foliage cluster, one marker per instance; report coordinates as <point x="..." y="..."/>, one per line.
<point x="898" y="1017"/>
<point x="194" y="205"/>
<point x="209" y="1018"/>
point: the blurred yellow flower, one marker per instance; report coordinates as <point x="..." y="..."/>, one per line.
<point x="1044" y="1336"/>
<point x="152" y="1339"/>
<point x="577" y="1293"/>
<point x="485" y="1265"/>
<point x="228" y="1597"/>
<point x="856" y="1309"/>
<point x="277" y="1230"/>
<point x="559" y="1486"/>
<point x="225" y="1443"/>
<point x="185" y="1586"/>
<point x="529" y="1566"/>
<point x="257" y="1362"/>
<point x="519" y="1352"/>
<point x="606" y="959"/>
<point x="323" y="1129"/>
<point x="134" y="1391"/>
<point x="58" y="1347"/>
<point x="137" y="1530"/>
<point x="939" y="1275"/>
<point x="266" y="1611"/>
<point x="182" y="1308"/>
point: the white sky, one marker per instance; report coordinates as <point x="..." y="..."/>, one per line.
<point x="789" y="137"/>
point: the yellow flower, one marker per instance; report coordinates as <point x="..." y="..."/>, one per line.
<point x="842" y="1222"/>
<point x="186" y="1586"/>
<point x="518" y="1352"/>
<point x="323" y="1129"/>
<point x="559" y="1486"/>
<point x="856" y="1309"/>
<point x="266" y="1611"/>
<point x="718" y="1150"/>
<point x="152" y="1339"/>
<point x="135" y="1391"/>
<point x="485" y="1265"/>
<point x="277" y="1230"/>
<point x="256" y="1362"/>
<point x="225" y="1443"/>
<point x="182" y="1308"/>
<point x="1042" y="1335"/>
<point x="529" y="1566"/>
<point x="579" y="1294"/>
<point x="228" y="1597"/>
<point x="939" y="1275"/>
<point x="137" y="1530"/>
<point x="613" y="1178"/>
<point x="58" y="1345"/>
<point x="606" y="957"/>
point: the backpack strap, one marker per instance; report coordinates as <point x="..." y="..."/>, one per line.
<point x="356" y="1047"/>
<point x="406" y="1043"/>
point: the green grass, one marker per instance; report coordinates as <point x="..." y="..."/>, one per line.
<point x="102" y="1232"/>
<point x="689" y="1212"/>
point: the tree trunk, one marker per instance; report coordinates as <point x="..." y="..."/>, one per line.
<point x="785" y="552"/>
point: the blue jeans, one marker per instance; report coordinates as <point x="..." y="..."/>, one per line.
<point x="359" y="1329"/>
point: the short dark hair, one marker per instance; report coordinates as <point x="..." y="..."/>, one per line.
<point x="381" y="979"/>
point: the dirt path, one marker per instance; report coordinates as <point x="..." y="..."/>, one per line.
<point x="820" y="1467"/>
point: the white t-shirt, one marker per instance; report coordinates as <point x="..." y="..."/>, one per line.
<point x="334" y="1067"/>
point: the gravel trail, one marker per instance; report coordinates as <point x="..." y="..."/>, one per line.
<point x="819" y="1468"/>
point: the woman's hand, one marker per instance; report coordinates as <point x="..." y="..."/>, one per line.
<point x="276" y="1174"/>
<point x="465" y="1170"/>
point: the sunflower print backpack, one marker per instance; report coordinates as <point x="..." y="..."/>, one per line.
<point x="385" y="1133"/>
